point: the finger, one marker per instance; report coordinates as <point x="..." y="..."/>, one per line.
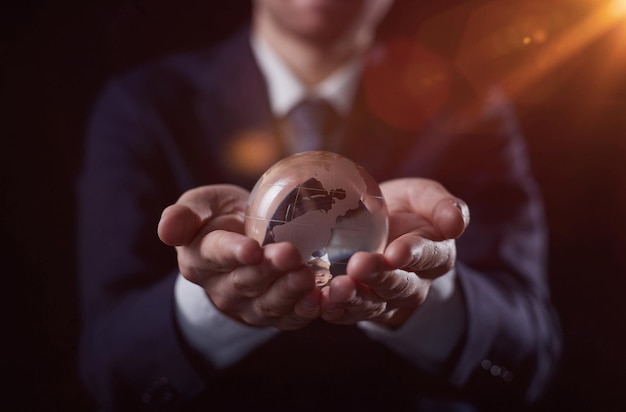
<point x="309" y="306"/>
<point x="331" y="311"/>
<point x="304" y="312"/>
<point x="281" y="298"/>
<point x="253" y="280"/>
<point x="222" y="251"/>
<point x="370" y="269"/>
<point x="425" y="205"/>
<point x="425" y="257"/>
<point x="180" y="222"/>
<point x="347" y="302"/>
<point x="274" y="286"/>
<point x="366" y="267"/>
<point x="283" y="256"/>
<point x="178" y="225"/>
<point x="235" y="280"/>
<point x="396" y="286"/>
<point x="343" y="290"/>
<point x="451" y="216"/>
<point x="207" y="201"/>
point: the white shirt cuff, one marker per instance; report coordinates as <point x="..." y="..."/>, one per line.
<point x="429" y="336"/>
<point x="221" y="340"/>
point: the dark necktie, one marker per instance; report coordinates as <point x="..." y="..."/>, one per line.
<point x="311" y="125"/>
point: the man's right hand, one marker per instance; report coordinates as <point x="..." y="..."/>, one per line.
<point x="259" y="286"/>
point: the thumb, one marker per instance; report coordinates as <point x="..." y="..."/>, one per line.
<point x="181" y="221"/>
<point x="451" y="216"/>
<point x="178" y="225"/>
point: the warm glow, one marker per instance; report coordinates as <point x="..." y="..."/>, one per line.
<point x="252" y="152"/>
<point x="570" y="42"/>
<point x="524" y="42"/>
<point x="618" y="7"/>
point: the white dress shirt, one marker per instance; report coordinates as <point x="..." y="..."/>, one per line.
<point x="426" y="339"/>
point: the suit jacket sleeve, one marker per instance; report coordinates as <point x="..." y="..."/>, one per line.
<point x="131" y="352"/>
<point x="512" y="342"/>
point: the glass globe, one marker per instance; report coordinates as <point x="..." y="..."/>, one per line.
<point x="325" y="204"/>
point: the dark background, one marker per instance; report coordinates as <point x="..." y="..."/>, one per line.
<point x="55" y="57"/>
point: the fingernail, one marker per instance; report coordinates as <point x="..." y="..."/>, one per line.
<point x="463" y="209"/>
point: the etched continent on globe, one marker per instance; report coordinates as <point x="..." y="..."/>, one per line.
<point x="325" y="204"/>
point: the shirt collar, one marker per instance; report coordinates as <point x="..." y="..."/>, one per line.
<point x="286" y="90"/>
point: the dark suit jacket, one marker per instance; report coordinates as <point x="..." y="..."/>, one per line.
<point x="176" y="124"/>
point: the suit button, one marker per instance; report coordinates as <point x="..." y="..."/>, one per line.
<point x="497" y="370"/>
<point x="507" y="376"/>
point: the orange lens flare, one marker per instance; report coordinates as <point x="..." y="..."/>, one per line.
<point x="525" y="41"/>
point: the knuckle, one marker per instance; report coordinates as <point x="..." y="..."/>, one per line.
<point x="224" y="303"/>
<point x="189" y="272"/>
<point x="404" y="286"/>
<point x="242" y="287"/>
<point x="253" y="319"/>
<point x="399" y="285"/>
<point x="432" y="254"/>
<point x="441" y="261"/>
<point x="267" y="310"/>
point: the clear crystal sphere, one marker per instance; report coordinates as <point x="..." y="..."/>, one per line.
<point x="325" y="204"/>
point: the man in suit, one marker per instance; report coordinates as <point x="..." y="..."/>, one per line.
<point x="451" y="315"/>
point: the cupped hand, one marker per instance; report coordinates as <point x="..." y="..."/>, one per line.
<point x="424" y="220"/>
<point x="259" y="286"/>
